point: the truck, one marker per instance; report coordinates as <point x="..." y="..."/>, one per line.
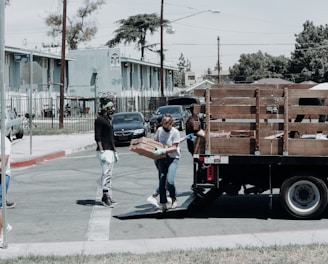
<point x="248" y="147"/>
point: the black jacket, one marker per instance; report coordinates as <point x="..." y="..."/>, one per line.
<point x="104" y="133"/>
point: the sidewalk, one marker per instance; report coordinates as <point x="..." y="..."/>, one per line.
<point x="142" y="246"/>
<point x="28" y="151"/>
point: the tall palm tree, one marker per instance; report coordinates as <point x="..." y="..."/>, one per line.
<point x="135" y="28"/>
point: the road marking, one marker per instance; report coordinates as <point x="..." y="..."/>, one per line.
<point x="99" y="223"/>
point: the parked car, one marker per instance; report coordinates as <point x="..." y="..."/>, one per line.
<point x="179" y="115"/>
<point x="185" y="101"/>
<point x="129" y="125"/>
<point x="14" y="124"/>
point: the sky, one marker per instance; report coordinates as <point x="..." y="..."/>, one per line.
<point x="243" y="27"/>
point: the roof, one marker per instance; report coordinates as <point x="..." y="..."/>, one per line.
<point x="272" y="81"/>
<point x="36" y="53"/>
<point x="202" y="84"/>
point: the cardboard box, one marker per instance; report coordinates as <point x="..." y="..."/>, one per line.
<point x="146" y="146"/>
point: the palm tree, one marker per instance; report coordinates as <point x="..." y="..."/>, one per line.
<point x="135" y="28"/>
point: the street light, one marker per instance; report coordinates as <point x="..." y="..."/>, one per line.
<point x="170" y="30"/>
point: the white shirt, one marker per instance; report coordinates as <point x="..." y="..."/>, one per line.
<point x="168" y="139"/>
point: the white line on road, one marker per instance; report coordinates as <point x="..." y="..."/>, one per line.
<point x="99" y="223"/>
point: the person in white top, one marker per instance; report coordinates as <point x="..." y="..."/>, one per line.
<point x="169" y="136"/>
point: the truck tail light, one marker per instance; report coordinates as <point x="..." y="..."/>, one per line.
<point x="210" y="173"/>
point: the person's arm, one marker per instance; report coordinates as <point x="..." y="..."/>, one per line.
<point x="6" y="161"/>
<point x="98" y="127"/>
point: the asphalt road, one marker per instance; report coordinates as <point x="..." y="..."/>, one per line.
<point x="58" y="201"/>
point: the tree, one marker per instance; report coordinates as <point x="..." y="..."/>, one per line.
<point x="79" y="29"/>
<point x="255" y="66"/>
<point x="134" y="29"/>
<point x="309" y="61"/>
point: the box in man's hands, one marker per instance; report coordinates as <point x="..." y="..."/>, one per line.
<point x="146" y="146"/>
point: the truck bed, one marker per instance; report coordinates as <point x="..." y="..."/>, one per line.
<point x="258" y="119"/>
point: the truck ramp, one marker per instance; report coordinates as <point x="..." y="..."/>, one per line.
<point x="146" y="210"/>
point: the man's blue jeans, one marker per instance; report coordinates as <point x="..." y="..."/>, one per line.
<point x="7" y="185"/>
<point x="167" y="169"/>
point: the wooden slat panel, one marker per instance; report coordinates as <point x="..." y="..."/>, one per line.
<point x="232" y="145"/>
<point x="309" y="110"/>
<point x="271" y="147"/>
<point x="308" y="128"/>
<point x="310" y="147"/>
<point x="249" y="101"/>
<point x="308" y="93"/>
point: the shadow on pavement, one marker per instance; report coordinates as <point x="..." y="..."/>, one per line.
<point x="241" y="206"/>
<point x="88" y="202"/>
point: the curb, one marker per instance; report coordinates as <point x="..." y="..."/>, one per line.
<point x="34" y="160"/>
<point x="57" y="154"/>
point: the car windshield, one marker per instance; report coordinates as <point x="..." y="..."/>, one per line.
<point x="119" y="119"/>
<point x="168" y="110"/>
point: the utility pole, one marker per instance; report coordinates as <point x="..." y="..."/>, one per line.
<point x="219" y="78"/>
<point x="162" y="55"/>
<point x="63" y="64"/>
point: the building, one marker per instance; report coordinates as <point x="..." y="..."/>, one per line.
<point x="44" y="82"/>
<point x="97" y="72"/>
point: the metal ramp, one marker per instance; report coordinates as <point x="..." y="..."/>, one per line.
<point x="147" y="210"/>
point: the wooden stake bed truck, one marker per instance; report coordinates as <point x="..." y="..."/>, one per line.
<point x="248" y="145"/>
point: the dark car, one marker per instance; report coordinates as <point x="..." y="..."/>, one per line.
<point x="179" y="115"/>
<point x="129" y="125"/>
<point x="185" y="101"/>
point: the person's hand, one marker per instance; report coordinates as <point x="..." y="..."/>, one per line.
<point x="103" y="157"/>
<point x="116" y="158"/>
<point x="191" y="137"/>
<point x="159" y="152"/>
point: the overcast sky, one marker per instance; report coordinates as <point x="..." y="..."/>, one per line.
<point x="242" y="26"/>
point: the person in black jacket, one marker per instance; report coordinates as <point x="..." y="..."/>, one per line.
<point x="106" y="151"/>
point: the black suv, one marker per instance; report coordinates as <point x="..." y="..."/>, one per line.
<point x="179" y="115"/>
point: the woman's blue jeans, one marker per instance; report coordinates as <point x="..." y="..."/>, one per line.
<point x="7" y="185"/>
<point x="167" y="168"/>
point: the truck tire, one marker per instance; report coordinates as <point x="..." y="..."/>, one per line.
<point x="304" y="197"/>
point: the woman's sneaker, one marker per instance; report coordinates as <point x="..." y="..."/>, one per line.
<point x="152" y="200"/>
<point x="174" y="204"/>
<point x="10" y="205"/>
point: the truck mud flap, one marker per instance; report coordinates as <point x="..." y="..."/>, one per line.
<point x="146" y="210"/>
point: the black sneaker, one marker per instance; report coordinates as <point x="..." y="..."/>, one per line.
<point x="112" y="201"/>
<point x="10" y="205"/>
<point x="106" y="202"/>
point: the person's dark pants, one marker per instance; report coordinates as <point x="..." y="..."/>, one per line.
<point x="167" y="169"/>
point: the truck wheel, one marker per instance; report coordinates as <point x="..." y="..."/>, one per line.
<point x="304" y="197"/>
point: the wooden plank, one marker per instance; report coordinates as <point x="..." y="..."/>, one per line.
<point x="308" y="147"/>
<point x="308" y="109"/>
<point x="232" y="145"/>
<point x="208" y="123"/>
<point x="308" y="93"/>
<point x="271" y="146"/>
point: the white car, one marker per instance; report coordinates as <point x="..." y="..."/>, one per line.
<point x="13" y="124"/>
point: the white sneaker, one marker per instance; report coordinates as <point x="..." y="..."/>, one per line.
<point x="169" y="200"/>
<point x="152" y="200"/>
<point x="174" y="204"/>
<point x="9" y="228"/>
